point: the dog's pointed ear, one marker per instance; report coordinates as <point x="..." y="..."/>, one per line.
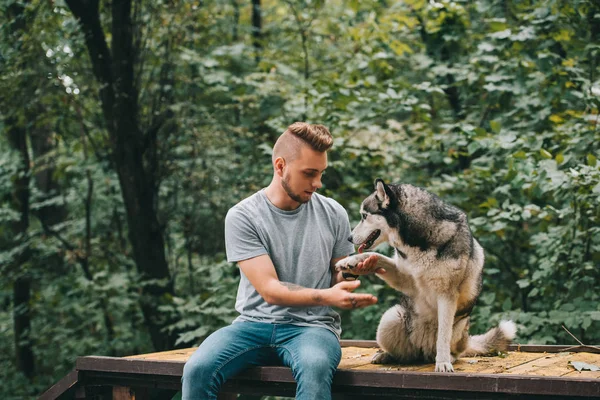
<point x="384" y="194"/>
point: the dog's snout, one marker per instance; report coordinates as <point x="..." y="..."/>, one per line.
<point x="350" y="239"/>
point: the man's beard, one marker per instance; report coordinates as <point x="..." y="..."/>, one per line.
<point x="286" y="186"/>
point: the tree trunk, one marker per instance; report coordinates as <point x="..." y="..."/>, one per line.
<point x="41" y="146"/>
<point x="256" y="29"/>
<point x="133" y="153"/>
<point x="22" y="285"/>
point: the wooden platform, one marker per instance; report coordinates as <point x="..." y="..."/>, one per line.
<point x="526" y="372"/>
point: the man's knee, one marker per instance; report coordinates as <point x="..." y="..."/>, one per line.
<point x="200" y="369"/>
<point x="317" y="364"/>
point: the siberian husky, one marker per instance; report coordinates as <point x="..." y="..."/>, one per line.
<point x="437" y="268"/>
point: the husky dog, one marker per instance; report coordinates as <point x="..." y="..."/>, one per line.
<point x="437" y="267"/>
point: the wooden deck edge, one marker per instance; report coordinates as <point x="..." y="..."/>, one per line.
<point x="347" y="378"/>
<point x="129" y="365"/>
<point x="60" y="388"/>
<point x="468" y="382"/>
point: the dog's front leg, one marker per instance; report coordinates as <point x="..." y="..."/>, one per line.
<point x="397" y="274"/>
<point x="446" y="310"/>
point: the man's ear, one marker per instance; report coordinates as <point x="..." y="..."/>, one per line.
<point x="384" y="194"/>
<point x="278" y="165"/>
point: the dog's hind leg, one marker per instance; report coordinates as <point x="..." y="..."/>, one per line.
<point x="393" y="335"/>
<point x="446" y="308"/>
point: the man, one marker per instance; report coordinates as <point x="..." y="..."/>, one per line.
<point x="286" y="240"/>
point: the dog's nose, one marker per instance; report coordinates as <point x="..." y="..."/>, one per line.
<point x="350" y="239"/>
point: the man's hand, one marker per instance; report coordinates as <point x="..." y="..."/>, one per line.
<point x="360" y="264"/>
<point x="341" y="296"/>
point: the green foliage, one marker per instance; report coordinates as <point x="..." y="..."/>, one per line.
<point x="492" y="105"/>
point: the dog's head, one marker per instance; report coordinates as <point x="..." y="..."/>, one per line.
<point x="374" y="228"/>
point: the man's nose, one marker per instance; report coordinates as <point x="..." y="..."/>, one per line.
<point x="317" y="184"/>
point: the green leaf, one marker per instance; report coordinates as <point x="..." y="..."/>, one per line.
<point x="495" y="126"/>
<point x="480" y="131"/>
<point x="545" y="154"/>
<point x="473" y="147"/>
<point x="523" y="283"/>
<point x="507" y="304"/>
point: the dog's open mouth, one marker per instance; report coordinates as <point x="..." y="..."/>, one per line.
<point x="370" y="240"/>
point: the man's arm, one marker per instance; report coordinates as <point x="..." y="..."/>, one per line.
<point x="261" y="273"/>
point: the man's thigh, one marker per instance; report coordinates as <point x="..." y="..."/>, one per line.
<point x="232" y="349"/>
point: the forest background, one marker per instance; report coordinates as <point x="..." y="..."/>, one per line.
<point x="128" y="128"/>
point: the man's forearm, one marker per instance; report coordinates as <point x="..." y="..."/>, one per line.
<point x="292" y="295"/>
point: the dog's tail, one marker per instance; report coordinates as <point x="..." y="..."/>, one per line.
<point x="494" y="340"/>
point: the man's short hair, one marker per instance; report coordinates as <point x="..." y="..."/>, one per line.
<point x="317" y="137"/>
<point x="288" y="145"/>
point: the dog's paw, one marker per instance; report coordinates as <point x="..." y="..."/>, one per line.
<point x="444" y="367"/>
<point x="381" y="357"/>
<point x="349" y="263"/>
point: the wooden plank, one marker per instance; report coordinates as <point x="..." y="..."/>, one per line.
<point x="122" y="393"/>
<point x="127" y="365"/>
<point x="561" y="366"/>
<point x="540" y="366"/>
<point x="62" y="387"/>
<point x="156" y="383"/>
<point x="588" y="358"/>
<point x="353" y="357"/>
<point x="378" y="380"/>
<point x="166" y="355"/>
<point x="484" y="383"/>
<point x="359" y="358"/>
<point x="574" y="374"/>
<point x="390" y="367"/>
<point x="183" y="354"/>
<point x="534" y="348"/>
<point x="356" y="372"/>
<point x="495" y="365"/>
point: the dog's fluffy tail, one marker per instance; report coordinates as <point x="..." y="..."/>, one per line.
<point x="494" y="340"/>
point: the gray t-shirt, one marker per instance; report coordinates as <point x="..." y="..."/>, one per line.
<point x="301" y="243"/>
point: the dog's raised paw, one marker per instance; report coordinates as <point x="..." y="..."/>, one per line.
<point x="444" y="367"/>
<point x="345" y="264"/>
<point x="350" y="262"/>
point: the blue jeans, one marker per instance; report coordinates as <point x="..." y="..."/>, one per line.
<point x="312" y="353"/>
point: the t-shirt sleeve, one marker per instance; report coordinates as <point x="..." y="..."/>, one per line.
<point x="342" y="246"/>
<point x="242" y="240"/>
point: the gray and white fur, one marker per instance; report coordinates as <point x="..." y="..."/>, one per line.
<point x="437" y="268"/>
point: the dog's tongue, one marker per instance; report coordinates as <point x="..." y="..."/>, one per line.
<point x="361" y="248"/>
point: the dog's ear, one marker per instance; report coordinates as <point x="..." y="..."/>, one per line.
<point x="384" y="194"/>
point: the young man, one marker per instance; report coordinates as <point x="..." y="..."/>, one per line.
<point x="286" y="240"/>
